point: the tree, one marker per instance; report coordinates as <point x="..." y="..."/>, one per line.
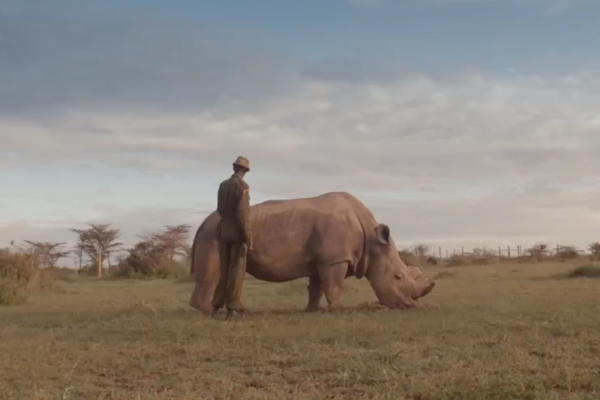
<point x="80" y="245"/>
<point x="99" y="242"/>
<point x="155" y="255"/>
<point x="595" y="249"/>
<point x="171" y="240"/>
<point x="47" y="254"/>
<point x="538" y="251"/>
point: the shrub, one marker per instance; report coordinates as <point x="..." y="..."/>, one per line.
<point x="477" y="257"/>
<point x="20" y="276"/>
<point x="482" y="257"/>
<point x="537" y="252"/>
<point x="148" y="260"/>
<point x="408" y="257"/>
<point x="432" y="260"/>
<point x="458" y="260"/>
<point x="417" y="255"/>
<point x="567" y="253"/>
<point x="585" y="271"/>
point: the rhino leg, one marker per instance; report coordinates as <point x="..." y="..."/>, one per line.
<point x="332" y="276"/>
<point x="315" y="292"/>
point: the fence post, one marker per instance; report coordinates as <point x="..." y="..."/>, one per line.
<point x="508" y="250"/>
<point x="440" y="250"/>
<point x="499" y="252"/>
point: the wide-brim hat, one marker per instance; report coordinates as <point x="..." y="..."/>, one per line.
<point x="242" y="162"/>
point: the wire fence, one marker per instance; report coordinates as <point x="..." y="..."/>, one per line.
<point x="504" y="252"/>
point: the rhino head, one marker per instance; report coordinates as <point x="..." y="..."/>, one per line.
<point x="395" y="284"/>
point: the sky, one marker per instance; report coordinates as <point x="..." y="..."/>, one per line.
<point x="457" y="122"/>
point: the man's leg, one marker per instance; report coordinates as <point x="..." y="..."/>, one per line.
<point x="220" y="292"/>
<point x="236" y="277"/>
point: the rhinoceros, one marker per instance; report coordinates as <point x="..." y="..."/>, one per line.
<point x="326" y="239"/>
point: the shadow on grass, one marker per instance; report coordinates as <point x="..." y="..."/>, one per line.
<point x="585" y="272"/>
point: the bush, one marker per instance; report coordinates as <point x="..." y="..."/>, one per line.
<point x="585" y="271"/>
<point x="149" y="261"/>
<point x="565" y="253"/>
<point x="477" y="257"/>
<point x="165" y="270"/>
<point x="408" y="257"/>
<point x="20" y="276"/>
<point x="457" y="260"/>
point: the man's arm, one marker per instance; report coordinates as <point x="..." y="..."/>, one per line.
<point x="220" y="201"/>
<point x="243" y="215"/>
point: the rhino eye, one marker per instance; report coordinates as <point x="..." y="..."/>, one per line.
<point x="398" y="276"/>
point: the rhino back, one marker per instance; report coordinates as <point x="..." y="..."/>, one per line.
<point x="293" y="236"/>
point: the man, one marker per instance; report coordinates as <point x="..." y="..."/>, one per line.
<point x="235" y="239"/>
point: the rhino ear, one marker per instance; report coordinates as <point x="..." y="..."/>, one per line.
<point x="383" y="234"/>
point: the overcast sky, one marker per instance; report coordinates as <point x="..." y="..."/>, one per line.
<point x="457" y="122"/>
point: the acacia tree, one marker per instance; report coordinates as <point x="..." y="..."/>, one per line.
<point x="47" y="254"/>
<point x="536" y="252"/>
<point x="158" y="249"/>
<point x="171" y="240"/>
<point x="99" y="242"/>
<point x="79" y="247"/>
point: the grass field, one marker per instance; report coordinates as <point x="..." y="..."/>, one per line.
<point x="491" y="332"/>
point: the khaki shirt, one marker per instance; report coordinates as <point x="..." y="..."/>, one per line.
<point x="234" y="209"/>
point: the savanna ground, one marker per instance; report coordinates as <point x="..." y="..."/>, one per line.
<point x="507" y="331"/>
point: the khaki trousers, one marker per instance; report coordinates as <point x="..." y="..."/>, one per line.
<point x="233" y="270"/>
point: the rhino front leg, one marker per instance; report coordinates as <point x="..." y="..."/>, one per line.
<point x="332" y="277"/>
<point x="315" y="292"/>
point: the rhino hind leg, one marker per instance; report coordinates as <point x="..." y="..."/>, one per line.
<point x="315" y="293"/>
<point x="332" y="278"/>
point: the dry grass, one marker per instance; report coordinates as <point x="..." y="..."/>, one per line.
<point x="490" y="332"/>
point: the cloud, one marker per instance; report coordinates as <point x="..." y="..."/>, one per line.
<point x="368" y="3"/>
<point x="473" y="158"/>
<point x="469" y="156"/>
<point x="553" y="6"/>
<point x="53" y="64"/>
